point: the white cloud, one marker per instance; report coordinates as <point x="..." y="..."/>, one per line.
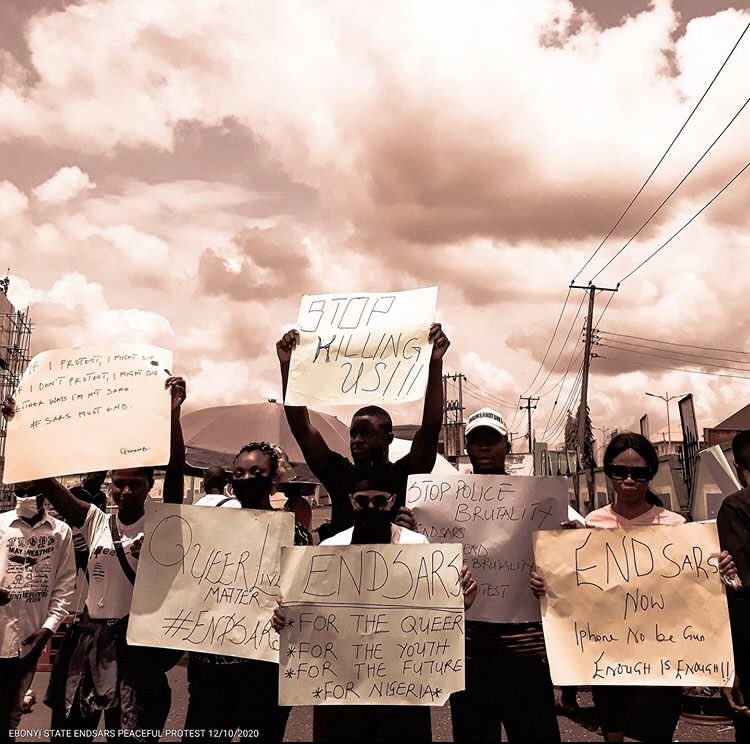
<point x="66" y="184"/>
<point x="13" y="202"/>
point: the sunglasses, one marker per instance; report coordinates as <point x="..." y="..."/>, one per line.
<point x="621" y="472"/>
<point x="378" y="500"/>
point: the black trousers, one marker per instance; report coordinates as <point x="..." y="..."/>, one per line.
<point x="640" y="712"/>
<point x="515" y="691"/>
<point x="242" y="696"/>
<point x="15" y="677"/>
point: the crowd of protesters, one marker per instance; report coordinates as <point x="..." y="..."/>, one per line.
<point x="98" y="673"/>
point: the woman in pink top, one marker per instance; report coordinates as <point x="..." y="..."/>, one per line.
<point x="648" y="713"/>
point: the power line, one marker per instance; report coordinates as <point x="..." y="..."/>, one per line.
<point x="664" y="155"/>
<point x="675" y="343"/>
<point x="674" y="358"/>
<point x="698" y="357"/>
<point x="672" y="192"/>
<point x="549" y="345"/>
<point x="679" y="369"/>
<point x="694" y="217"/>
<point x="562" y="348"/>
<point x="575" y="387"/>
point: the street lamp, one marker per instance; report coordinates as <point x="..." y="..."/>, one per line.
<point x="666" y="398"/>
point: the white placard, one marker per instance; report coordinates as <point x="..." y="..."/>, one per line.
<point x="493" y="516"/>
<point x="90" y="408"/>
<point x="369" y="347"/>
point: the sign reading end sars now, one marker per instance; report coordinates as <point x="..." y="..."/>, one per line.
<point x="90" y="408"/>
<point x="643" y="606"/>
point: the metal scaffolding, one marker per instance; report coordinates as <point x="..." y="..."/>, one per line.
<point x="15" y="339"/>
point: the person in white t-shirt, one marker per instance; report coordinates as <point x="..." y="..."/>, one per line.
<point x="97" y="670"/>
<point x="37" y="581"/>
<point x="373" y="496"/>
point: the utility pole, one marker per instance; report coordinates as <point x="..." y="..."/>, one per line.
<point x="583" y="407"/>
<point x="453" y="417"/>
<point x="529" y="408"/>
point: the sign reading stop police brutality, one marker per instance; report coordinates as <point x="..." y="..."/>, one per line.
<point x="208" y="580"/>
<point x="494" y="517"/>
<point x="371" y="625"/>
<point x="90" y="408"/>
<point x="643" y="606"/>
<point x="369" y="347"/>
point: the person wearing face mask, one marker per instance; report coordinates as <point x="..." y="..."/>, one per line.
<point x="370" y="435"/>
<point x="37" y="582"/>
<point x="97" y="671"/>
<point x="372" y="498"/>
<point x="218" y="685"/>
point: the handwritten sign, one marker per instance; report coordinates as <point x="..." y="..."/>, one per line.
<point x="208" y="580"/>
<point x="362" y="348"/>
<point x="371" y="625"/>
<point x="493" y="516"/>
<point x="91" y="408"/>
<point x="643" y="606"/>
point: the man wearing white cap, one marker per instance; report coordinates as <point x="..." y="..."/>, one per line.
<point x="507" y="676"/>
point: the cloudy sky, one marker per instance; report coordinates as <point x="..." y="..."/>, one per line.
<point x="180" y="172"/>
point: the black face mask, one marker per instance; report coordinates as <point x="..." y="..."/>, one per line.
<point x="251" y="491"/>
<point x="371" y="526"/>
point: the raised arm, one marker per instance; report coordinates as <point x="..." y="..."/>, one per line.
<point x="174" y="478"/>
<point x="72" y="509"/>
<point x="425" y="445"/>
<point x="309" y="439"/>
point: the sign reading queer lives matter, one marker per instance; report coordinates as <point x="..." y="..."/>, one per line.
<point x="90" y="408"/>
<point x="371" y="625"/>
<point x="362" y="348"/>
<point x="208" y="580"/>
<point x="643" y="606"/>
<point x="493" y="516"/>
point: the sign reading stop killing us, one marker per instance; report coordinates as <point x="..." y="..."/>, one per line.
<point x="643" y="606"/>
<point x="371" y="625"/>
<point x="494" y="517"/>
<point x="90" y="408"/>
<point x="208" y="580"/>
<point x="362" y="348"/>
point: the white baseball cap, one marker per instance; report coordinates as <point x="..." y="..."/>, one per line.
<point x="488" y="417"/>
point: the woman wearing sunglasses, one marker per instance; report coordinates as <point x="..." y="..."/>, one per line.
<point x="648" y="713"/>
<point x="630" y="463"/>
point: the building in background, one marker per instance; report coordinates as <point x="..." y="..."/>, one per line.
<point x="15" y="338"/>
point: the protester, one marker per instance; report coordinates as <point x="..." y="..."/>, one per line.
<point x="98" y="671"/>
<point x="733" y="523"/>
<point x="370" y="433"/>
<point x="647" y="713"/>
<point x="297" y="493"/>
<point x="229" y="692"/>
<point x="372" y="498"/>
<point x="91" y="489"/>
<point x="215" y="481"/>
<point x="507" y="676"/>
<point x="37" y="581"/>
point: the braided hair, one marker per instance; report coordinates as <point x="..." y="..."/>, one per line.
<point x="265" y="448"/>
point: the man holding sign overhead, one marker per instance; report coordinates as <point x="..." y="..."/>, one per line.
<point x="378" y="335"/>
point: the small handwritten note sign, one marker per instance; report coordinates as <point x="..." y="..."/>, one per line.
<point x="643" y="606"/>
<point x="90" y="408"/>
<point x="371" y="625"/>
<point x="494" y="517"/>
<point x="362" y="348"/>
<point x="208" y="579"/>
